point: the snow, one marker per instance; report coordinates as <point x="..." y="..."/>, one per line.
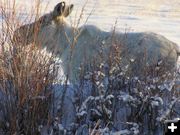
<point x="81" y="114"/>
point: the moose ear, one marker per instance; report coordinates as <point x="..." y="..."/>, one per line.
<point x="68" y="10"/>
<point x="59" y="9"/>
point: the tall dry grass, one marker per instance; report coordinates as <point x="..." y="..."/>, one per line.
<point x="26" y="73"/>
<point x="26" y="76"/>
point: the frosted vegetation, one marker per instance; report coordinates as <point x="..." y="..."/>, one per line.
<point x="112" y="90"/>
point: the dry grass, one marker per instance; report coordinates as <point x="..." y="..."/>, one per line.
<point x="26" y="77"/>
<point x="26" y="74"/>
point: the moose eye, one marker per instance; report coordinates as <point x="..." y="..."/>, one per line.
<point x="58" y="9"/>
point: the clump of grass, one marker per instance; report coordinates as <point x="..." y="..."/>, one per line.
<point x="26" y="77"/>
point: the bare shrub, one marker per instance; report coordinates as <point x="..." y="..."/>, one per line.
<point x="126" y="104"/>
